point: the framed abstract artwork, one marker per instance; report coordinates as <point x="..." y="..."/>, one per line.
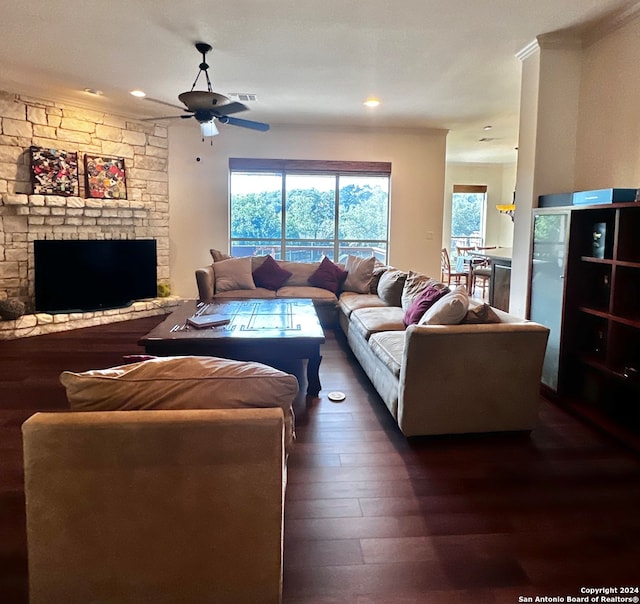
<point x="54" y="172"/>
<point x="106" y="177"/>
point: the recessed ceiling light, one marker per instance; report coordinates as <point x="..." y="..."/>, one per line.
<point x="138" y="93"/>
<point x="487" y="127"/>
<point x="372" y="102"/>
<point x="93" y="91"/>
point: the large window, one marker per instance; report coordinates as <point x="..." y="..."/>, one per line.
<point x="302" y="210"/>
<point x="468" y="207"/>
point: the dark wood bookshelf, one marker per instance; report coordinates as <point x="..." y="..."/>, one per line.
<point x="594" y="364"/>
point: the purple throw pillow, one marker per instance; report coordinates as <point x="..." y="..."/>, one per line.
<point x="270" y="274"/>
<point x="328" y="276"/>
<point x="422" y="302"/>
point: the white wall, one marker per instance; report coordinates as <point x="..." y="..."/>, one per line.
<point x="500" y="180"/>
<point x="608" y="142"/>
<point x="199" y="189"/>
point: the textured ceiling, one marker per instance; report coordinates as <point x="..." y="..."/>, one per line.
<point x="432" y="64"/>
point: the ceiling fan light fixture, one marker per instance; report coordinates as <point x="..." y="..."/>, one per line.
<point x="207" y="106"/>
<point x="209" y="128"/>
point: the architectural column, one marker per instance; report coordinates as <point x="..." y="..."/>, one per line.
<point x="551" y="69"/>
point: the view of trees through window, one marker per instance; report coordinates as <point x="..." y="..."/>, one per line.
<point x="467" y="216"/>
<point x="297" y="216"/>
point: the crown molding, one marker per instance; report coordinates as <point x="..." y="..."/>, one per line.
<point x="529" y="50"/>
<point x="576" y="38"/>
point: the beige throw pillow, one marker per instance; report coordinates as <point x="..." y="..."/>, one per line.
<point x="184" y="382"/>
<point x="451" y="309"/>
<point x="234" y="273"/>
<point x="359" y="274"/>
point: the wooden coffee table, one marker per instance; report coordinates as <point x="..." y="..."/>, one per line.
<point x="271" y="331"/>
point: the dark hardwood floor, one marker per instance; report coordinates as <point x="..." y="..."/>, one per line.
<point x="371" y="517"/>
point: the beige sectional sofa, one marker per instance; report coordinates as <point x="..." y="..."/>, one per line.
<point x="475" y="371"/>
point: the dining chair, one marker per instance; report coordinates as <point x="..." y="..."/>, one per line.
<point x="447" y="275"/>
<point x="481" y="276"/>
<point x="463" y="251"/>
<point x="465" y="254"/>
<point x="481" y="271"/>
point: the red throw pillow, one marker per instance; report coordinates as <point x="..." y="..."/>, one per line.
<point x="270" y="274"/>
<point x="422" y="302"/>
<point x="328" y="276"/>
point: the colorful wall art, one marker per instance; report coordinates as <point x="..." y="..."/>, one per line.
<point x="106" y="178"/>
<point x="54" y="172"/>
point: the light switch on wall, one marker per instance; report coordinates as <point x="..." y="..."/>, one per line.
<point x="429" y="235"/>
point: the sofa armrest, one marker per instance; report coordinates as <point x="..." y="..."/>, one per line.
<point x="471" y="378"/>
<point x="155" y="506"/>
<point x="205" y="279"/>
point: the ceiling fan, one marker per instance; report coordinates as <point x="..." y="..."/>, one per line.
<point x="208" y="106"/>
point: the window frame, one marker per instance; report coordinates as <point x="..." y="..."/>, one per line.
<point x="478" y="241"/>
<point x="336" y="169"/>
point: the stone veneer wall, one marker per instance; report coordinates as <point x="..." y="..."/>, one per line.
<point x="26" y="121"/>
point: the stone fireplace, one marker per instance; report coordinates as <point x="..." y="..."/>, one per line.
<point x="25" y="217"/>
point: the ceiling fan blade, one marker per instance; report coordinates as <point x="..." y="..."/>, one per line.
<point x="227" y="108"/>
<point x="236" y="121"/>
<point x="178" y="107"/>
<point x="166" y="117"/>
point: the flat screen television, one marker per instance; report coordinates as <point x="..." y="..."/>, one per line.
<point x="87" y="275"/>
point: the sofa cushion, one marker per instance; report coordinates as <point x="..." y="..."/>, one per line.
<point x="270" y="274"/>
<point x="391" y="285"/>
<point x="234" y="273"/>
<point x="184" y="382"/>
<point x="388" y="346"/>
<point x="328" y="276"/>
<point x="366" y="321"/>
<point x="300" y="271"/>
<point x="350" y="301"/>
<point x="448" y="310"/>
<point x="423" y="302"/>
<point x="414" y="285"/>
<point x="306" y="291"/>
<point x="245" y="294"/>
<point x="217" y="255"/>
<point x="359" y="274"/>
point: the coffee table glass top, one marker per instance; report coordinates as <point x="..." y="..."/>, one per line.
<point x="259" y="318"/>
